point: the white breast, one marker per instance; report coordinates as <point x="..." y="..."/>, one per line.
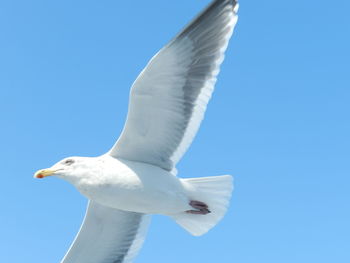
<point x="136" y="187"/>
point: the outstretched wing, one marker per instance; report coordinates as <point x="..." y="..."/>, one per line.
<point x="169" y="98"/>
<point x="108" y="236"/>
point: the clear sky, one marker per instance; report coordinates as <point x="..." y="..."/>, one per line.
<point x="278" y="122"/>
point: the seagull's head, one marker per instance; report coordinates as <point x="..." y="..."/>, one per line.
<point x="69" y="168"/>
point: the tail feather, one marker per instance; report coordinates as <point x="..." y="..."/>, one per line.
<point x="216" y="192"/>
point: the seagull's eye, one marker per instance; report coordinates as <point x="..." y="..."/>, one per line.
<point x="68" y="162"/>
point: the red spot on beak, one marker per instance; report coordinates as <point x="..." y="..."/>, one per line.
<point x="40" y="176"/>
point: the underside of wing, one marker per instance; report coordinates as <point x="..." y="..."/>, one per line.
<point x="108" y="236"/>
<point x="169" y="98"/>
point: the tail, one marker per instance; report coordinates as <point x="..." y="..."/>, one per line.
<point x="215" y="192"/>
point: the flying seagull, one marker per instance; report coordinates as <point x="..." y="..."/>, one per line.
<point x="137" y="177"/>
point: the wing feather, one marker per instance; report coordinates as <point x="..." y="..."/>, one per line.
<point x="108" y="236"/>
<point x="169" y="98"/>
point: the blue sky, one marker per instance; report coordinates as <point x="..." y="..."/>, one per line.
<point x="278" y="121"/>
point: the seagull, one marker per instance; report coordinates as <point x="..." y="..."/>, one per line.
<point x="137" y="177"/>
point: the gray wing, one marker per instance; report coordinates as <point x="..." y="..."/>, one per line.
<point x="108" y="236"/>
<point x="169" y="98"/>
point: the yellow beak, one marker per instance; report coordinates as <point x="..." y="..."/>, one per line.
<point x="44" y="173"/>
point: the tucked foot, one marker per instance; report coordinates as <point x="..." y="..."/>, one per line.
<point x="200" y="208"/>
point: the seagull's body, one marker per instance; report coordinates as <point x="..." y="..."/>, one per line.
<point x="132" y="186"/>
<point x="137" y="177"/>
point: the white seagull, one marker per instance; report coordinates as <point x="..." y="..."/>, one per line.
<point x="137" y="177"/>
